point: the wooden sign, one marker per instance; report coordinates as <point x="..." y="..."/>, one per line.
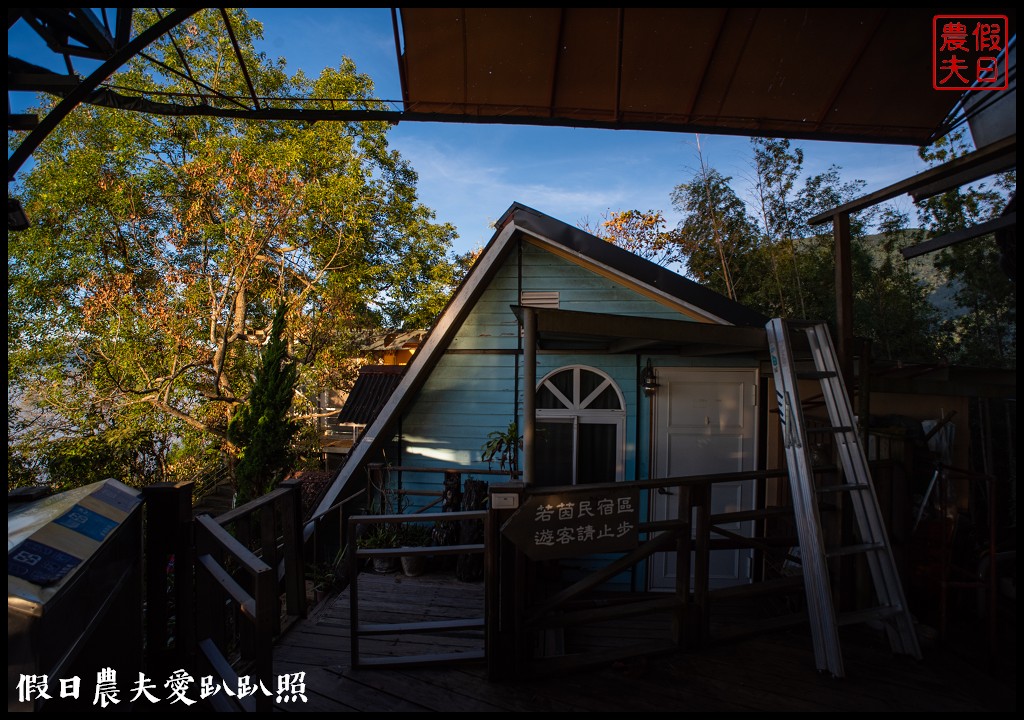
<point x="578" y="523"/>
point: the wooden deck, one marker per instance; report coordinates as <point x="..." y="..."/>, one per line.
<point x="773" y="672"/>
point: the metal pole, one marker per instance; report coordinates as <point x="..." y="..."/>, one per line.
<point x="529" y="394"/>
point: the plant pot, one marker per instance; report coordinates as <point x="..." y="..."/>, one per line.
<point x="413" y="565"/>
<point x="385" y="565"/>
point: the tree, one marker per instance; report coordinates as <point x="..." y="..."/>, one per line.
<point x="160" y="246"/>
<point x="642" y="233"/>
<point x="261" y="427"/>
<point x="715" y="235"/>
<point x="982" y="330"/>
<point x="776" y="169"/>
<point x="891" y="295"/>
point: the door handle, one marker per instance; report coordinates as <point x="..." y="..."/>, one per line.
<point x="665" y="491"/>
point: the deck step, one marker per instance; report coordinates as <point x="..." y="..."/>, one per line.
<point x="765" y="587"/>
<point x="667" y="603"/>
<point x="854" y="549"/>
<point x="545" y="667"/>
<point x="426" y="626"/>
<point x="760" y="627"/>
<point x="859" y="616"/>
<point x="424" y="659"/>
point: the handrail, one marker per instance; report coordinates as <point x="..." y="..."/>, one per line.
<point x="654" y="484"/>
<point x="356" y="630"/>
<point x="250" y="507"/>
<point x="442" y="470"/>
<point x="258" y="606"/>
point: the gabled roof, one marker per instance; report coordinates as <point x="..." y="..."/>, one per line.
<point x="521" y="222"/>
<point x="628" y="266"/>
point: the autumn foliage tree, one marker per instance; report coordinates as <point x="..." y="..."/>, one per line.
<point x="159" y="248"/>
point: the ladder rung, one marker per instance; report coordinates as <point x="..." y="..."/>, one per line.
<point x="875" y="613"/>
<point x="854" y="549"/>
<point x="842" y="488"/>
<point x="787" y="368"/>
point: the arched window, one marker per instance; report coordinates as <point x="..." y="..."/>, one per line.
<point x="581" y="421"/>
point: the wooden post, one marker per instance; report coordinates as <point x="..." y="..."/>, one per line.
<point x="702" y="564"/>
<point x="353" y="591"/>
<point x="294" y="564"/>
<point x="529" y="395"/>
<point x="268" y="551"/>
<point x="169" y="540"/>
<point x="682" y="625"/>
<point x="844" y="295"/>
<point x="268" y="616"/>
<point x="501" y="640"/>
<point x="446" y="532"/>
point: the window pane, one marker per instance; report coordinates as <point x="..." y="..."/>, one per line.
<point x="553" y="454"/>
<point x="595" y="462"/>
<point x="588" y="383"/>
<point x="546" y="400"/>
<point x="608" y="399"/>
<point x="563" y="382"/>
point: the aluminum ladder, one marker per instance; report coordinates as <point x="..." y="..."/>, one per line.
<point x="855" y="488"/>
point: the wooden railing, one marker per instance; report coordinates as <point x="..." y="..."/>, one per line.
<point x="518" y="615"/>
<point x="384" y="490"/>
<point x="358" y="555"/>
<point x="238" y="583"/>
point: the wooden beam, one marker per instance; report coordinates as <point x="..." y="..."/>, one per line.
<point x="958" y="236"/>
<point x="622" y="328"/>
<point x="844" y="295"/>
<point x="923" y="180"/>
<point x="966" y="176"/>
<point x="660" y="542"/>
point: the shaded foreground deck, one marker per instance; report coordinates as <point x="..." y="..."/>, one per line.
<point x="773" y="671"/>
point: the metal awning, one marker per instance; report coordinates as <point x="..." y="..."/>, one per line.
<point x="813" y="73"/>
<point x="862" y="75"/>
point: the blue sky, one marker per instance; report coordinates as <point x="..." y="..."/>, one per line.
<point x="470" y="174"/>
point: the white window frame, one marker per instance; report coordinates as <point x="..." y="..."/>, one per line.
<point x="577" y="412"/>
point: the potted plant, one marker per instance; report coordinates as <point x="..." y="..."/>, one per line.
<point x="323" y="579"/>
<point x="503" y="446"/>
<point x="414" y="535"/>
<point x="381" y="536"/>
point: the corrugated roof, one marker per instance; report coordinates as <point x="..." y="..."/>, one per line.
<point x="372" y="389"/>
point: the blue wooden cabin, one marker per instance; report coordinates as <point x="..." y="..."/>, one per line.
<point x="607" y="322"/>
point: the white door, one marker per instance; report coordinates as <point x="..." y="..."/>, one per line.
<point x="704" y="423"/>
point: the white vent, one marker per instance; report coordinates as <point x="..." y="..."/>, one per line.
<point x="541" y="299"/>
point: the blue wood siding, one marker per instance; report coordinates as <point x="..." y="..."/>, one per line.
<point x="491" y="325"/>
<point x="470" y="394"/>
<point x="472" y="391"/>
